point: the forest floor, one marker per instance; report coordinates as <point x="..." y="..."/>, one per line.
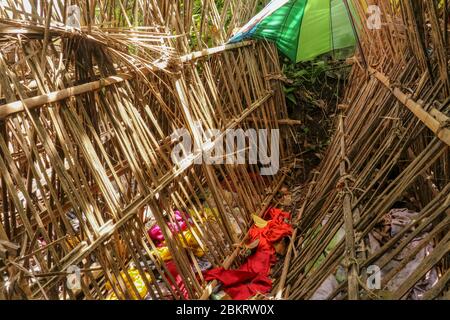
<point x="313" y="92"/>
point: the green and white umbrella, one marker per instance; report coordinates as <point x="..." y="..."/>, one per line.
<point x="303" y="29"/>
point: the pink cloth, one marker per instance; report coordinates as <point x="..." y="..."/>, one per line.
<point x="180" y="224"/>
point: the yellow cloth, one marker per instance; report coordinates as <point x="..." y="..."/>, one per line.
<point x="138" y="282"/>
<point x="192" y="244"/>
<point x="208" y="213"/>
<point x="163" y="252"/>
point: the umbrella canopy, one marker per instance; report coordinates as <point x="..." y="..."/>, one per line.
<point x="302" y="29"/>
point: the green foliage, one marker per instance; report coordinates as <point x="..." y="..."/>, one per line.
<point x="311" y="80"/>
<point x="312" y="92"/>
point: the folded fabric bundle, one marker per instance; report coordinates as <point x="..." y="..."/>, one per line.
<point x="171" y="266"/>
<point x="253" y="276"/>
<point x="190" y="243"/>
<point x="138" y="283"/>
<point x="180" y="224"/>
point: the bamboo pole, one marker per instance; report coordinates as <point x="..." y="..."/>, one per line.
<point x="353" y="286"/>
<point x="38" y="101"/>
<point x="436" y="121"/>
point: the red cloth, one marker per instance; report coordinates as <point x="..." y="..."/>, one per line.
<point x="253" y="276"/>
<point x="179" y="281"/>
<point x="276" y="229"/>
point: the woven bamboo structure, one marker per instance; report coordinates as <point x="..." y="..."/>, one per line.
<point x="390" y="150"/>
<point x="86" y="119"/>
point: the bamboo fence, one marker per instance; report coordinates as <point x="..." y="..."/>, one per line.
<point x="390" y="150"/>
<point x="86" y="119"/>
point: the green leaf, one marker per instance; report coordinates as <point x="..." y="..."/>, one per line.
<point x="291" y="97"/>
<point x="288" y="90"/>
<point x="301" y="73"/>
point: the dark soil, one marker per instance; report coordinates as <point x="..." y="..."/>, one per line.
<point x="313" y="92"/>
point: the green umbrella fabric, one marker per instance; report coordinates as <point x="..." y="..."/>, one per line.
<point x="303" y="29"/>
